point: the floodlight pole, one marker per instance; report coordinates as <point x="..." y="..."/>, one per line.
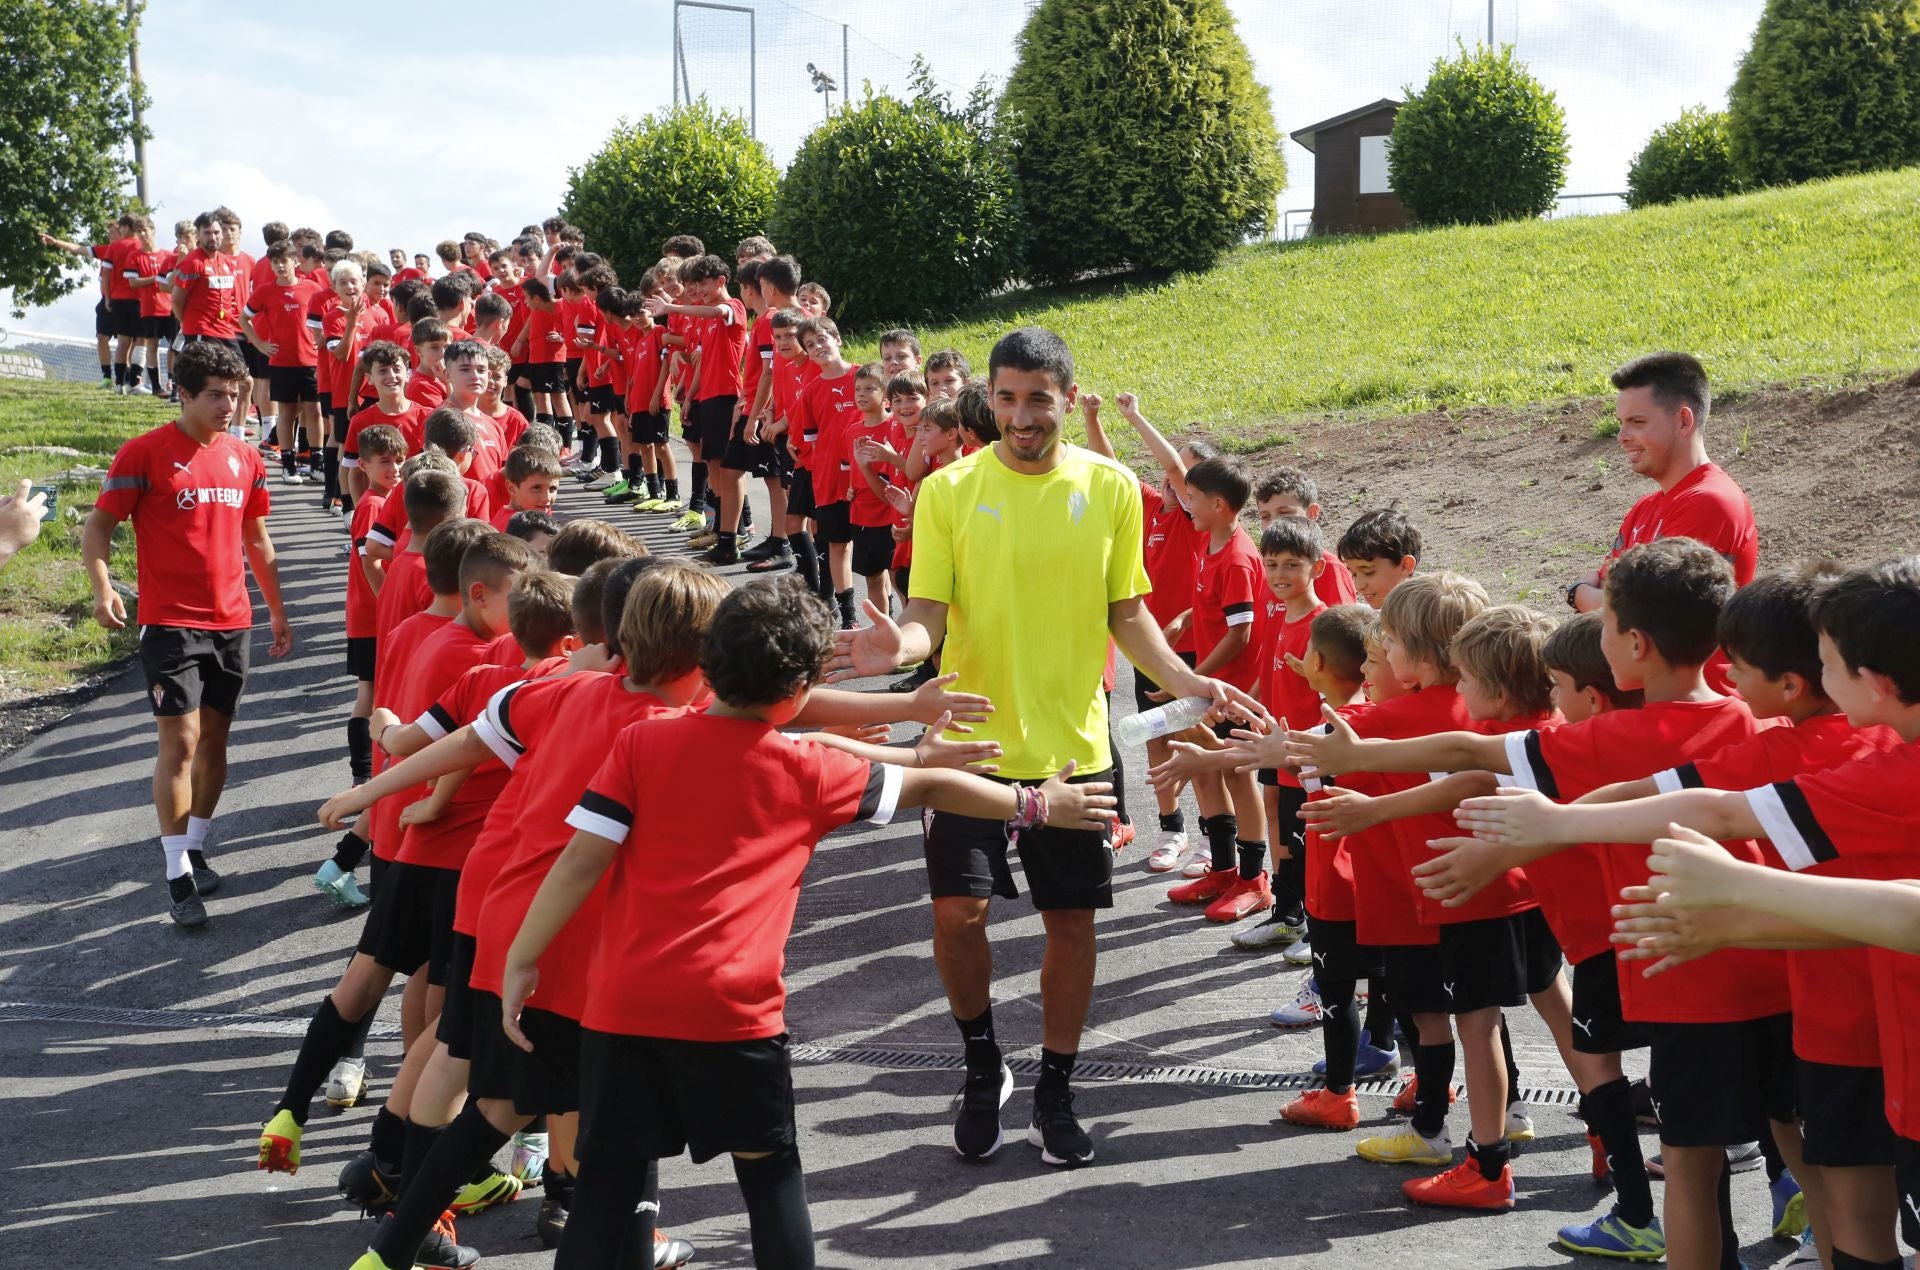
<point x="133" y="70"/>
<point x="1489" y="23"/>
<point x="753" y="54"/>
<point x="846" y="75"/>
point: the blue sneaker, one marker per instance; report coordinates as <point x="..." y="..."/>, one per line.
<point x="338" y="885"/>
<point x="1789" y="1207"/>
<point x="1371" y="1060"/>
<point x="1609" y="1236"/>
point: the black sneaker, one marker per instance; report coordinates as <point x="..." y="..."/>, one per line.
<point x="438" y="1251"/>
<point x="976" y="1130"/>
<point x="186" y="909"/>
<point x="550" y="1224"/>
<point x="720" y="554"/>
<point x="367" y="1186"/>
<point x="762" y="549"/>
<point x="204" y="878"/>
<point x="1056" y="1132"/>
<point x="776" y="559"/>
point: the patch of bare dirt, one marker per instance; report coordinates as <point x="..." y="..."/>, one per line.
<point x="1529" y="499"/>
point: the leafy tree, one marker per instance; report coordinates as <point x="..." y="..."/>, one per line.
<point x="1482" y="142"/>
<point x="1142" y="139"/>
<point x="688" y="170"/>
<point x="63" y="137"/>
<point x="906" y="210"/>
<point x="1828" y="87"/>
<point x="1688" y="158"/>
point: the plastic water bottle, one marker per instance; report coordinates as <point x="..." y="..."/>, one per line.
<point x="1175" y="716"/>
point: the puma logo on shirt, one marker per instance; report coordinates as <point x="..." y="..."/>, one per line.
<point x="993" y="511"/>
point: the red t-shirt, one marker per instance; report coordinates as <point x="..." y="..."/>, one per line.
<point x="363" y="605"/>
<point x="789" y="377"/>
<point x="541" y="323"/>
<point x="721" y="345"/>
<point x="339" y="358"/>
<point x="489" y="454"/>
<point x="215" y="287"/>
<point x="1229" y="590"/>
<point x="404" y="591"/>
<point x="155" y="301"/>
<point x="1863" y="812"/>
<point x="443" y="843"/>
<point x="280" y="318"/>
<point x="1383" y="892"/>
<point x="822" y="416"/>
<point x="1329" y="867"/>
<point x="1173" y="548"/>
<point x="719" y="905"/>
<point x="409" y="676"/>
<point x="581" y="321"/>
<point x="516" y="295"/>
<point x="554" y="734"/>
<point x="759" y="358"/>
<point x="1334" y="586"/>
<point x="412" y="423"/>
<point x="1622" y="745"/>
<point x="866" y="508"/>
<point x="425" y="390"/>
<point x="1833" y="1021"/>
<point x="118" y="256"/>
<point x="389" y="528"/>
<point x="1705" y="505"/>
<point x="1284" y="692"/>
<point x="189" y="504"/>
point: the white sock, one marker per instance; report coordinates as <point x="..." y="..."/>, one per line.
<point x="197" y="827"/>
<point x="176" y="846"/>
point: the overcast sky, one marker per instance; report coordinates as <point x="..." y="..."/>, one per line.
<point x="325" y="125"/>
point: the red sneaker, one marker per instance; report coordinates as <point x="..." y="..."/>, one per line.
<point x="1123" y="834"/>
<point x="1247" y="897"/>
<point x="1462" y="1187"/>
<point x="1403" y="1101"/>
<point x="1205" y="888"/>
<point x="1602" y="1167"/>
<point x="1324" y="1109"/>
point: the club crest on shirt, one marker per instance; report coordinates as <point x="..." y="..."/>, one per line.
<point x="1077" y="505"/>
<point x="233" y="465"/>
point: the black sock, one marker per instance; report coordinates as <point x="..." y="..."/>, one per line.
<point x="781" y="547"/>
<point x="430" y="1180"/>
<point x="419" y="1141"/>
<point x="697" y="486"/>
<point x="358" y="1049"/>
<point x="727" y="539"/>
<point x="557" y="1185"/>
<point x="106" y="371"/>
<point x="360" y="750"/>
<point x="609" y="454"/>
<point x="653" y="484"/>
<point x="1433" y="1068"/>
<point x="633" y="469"/>
<point x="523" y="401"/>
<point x="1173" y="821"/>
<point x="1513" y="1069"/>
<point x="844" y="599"/>
<point x="1729" y="1237"/>
<point x="1222" y="832"/>
<point x="1056" y="1069"/>
<point x="1843" y="1260"/>
<point x="153" y="380"/>
<point x="565" y="428"/>
<point x="981" y="1047"/>
<point x="326" y="1041"/>
<point x="388" y="1141"/>
<point x="775" y="1191"/>
<point x="804" y="560"/>
<point x="330" y="468"/>
<point x="600" y="1214"/>
<point x="1340" y="1031"/>
<point x="673" y="487"/>
<point x="636" y="1251"/>
<point x="1379" y="1021"/>
<point x="120" y="374"/>
<point x="1491" y="1158"/>
<point x="1252" y="857"/>
<point x="349" y="851"/>
<point x="1290" y="879"/>
<point x="1609" y="1110"/>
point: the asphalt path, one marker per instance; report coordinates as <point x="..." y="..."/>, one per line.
<point x="138" y="1060"/>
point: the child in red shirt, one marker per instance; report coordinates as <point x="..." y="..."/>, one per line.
<point x="766" y="404"/>
<point x="712" y="1035"/>
<point x="824" y="411"/>
<point x="385" y="368"/>
<point x="647" y="401"/>
<point x="785" y="378"/>
<point x="428" y="384"/>
<point x="275" y="321"/>
<point x="383" y="450"/>
<point x="874" y="508"/>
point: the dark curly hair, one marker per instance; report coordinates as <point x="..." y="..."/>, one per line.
<point x="768" y="639"/>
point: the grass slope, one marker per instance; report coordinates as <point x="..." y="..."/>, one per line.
<point x="48" y="637"/>
<point x="1817" y="283"/>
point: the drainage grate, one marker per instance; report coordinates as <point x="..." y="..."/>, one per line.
<point x="804" y="1052"/>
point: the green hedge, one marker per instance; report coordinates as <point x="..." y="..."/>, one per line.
<point x="1482" y="142"/>
<point x="1688" y="158"/>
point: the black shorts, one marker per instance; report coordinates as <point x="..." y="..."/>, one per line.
<point x="156" y="328"/>
<point x="872" y="550"/>
<point x="240" y="347"/>
<point x="1716" y="1084"/>
<point x="709" y="424"/>
<point x="341" y="422"/>
<point x="1065" y="868"/>
<point x="644" y="1098"/>
<point x="1142" y="685"/>
<point x="647" y="427"/>
<point x="1289" y="799"/>
<point x="756" y="460"/>
<point x="360" y="656"/>
<point x="124" y="317"/>
<point x="602" y="400"/>
<point x="1843" y="1115"/>
<point x="1598" y="1025"/>
<point x="834" y="525"/>
<point x="257" y="364"/>
<point x="545" y="377"/>
<point x="292" y="385"/>
<point x="102" y="318"/>
<point x="410" y="922"/>
<point x="188" y="668"/>
<point x="800" y="493"/>
<point x="1906" y="1176"/>
<point x="455" y="1029"/>
<point x="1338" y="954"/>
<point x="1419" y="983"/>
<point x="519" y="371"/>
<point x="573" y="372"/>
<point x="543" y="1083"/>
<point x="1497" y="961"/>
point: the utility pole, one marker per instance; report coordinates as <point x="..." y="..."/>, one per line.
<point x="1489" y="23"/>
<point x="139" y="139"/>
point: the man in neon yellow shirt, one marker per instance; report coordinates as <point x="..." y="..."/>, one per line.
<point x="1026" y="561"/>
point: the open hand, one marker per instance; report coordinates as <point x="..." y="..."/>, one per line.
<point x="971" y="756"/>
<point x="931" y="702"/>
<point x="1088" y="805"/>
